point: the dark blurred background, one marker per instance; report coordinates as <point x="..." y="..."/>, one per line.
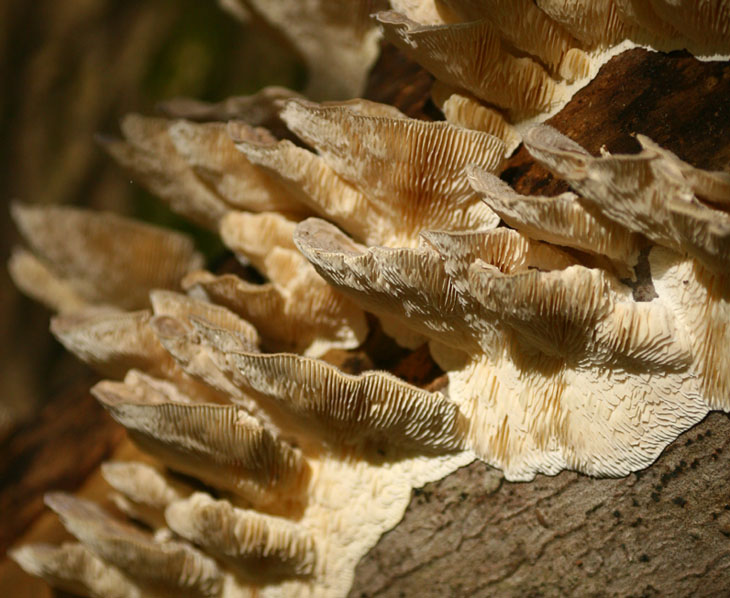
<point x="70" y="69"/>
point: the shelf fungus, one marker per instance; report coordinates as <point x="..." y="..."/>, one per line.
<point x="305" y="466"/>
<point x="80" y="258"/>
<point x="301" y="496"/>
<point x="395" y="177"/>
<point x="268" y="471"/>
<point x="552" y="363"/>
<point x="504" y="65"/>
<point x="555" y="364"/>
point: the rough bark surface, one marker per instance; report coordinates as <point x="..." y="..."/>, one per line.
<point x="661" y="532"/>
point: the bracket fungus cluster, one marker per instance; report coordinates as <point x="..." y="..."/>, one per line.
<point x="502" y="65"/>
<point x="268" y="471"/>
<point x="553" y="362"/>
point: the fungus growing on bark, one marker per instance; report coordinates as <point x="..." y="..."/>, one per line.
<point x="364" y="442"/>
<point x="354" y="434"/>
<point x="551" y="361"/>
<point x="605" y="381"/>
<point x="532" y="57"/>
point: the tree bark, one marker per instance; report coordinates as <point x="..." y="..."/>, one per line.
<point x="664" y="531"/>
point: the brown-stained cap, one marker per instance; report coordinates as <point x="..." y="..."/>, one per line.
<point x="221" y="445"/>
<point x="262" y="548"/>
<point x="153" y="564"/>
<point x="593" y="23"/>
<point x="707" y="24"/>
<point x="103" y="258"/>
<point x="409" y="169"/>
<point x="700" y="27"/>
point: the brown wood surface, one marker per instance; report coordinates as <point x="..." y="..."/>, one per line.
<point x="661" y="532"/>
<point x="664" y="531"/>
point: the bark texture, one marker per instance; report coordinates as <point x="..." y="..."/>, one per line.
<point x="664" y="531"/>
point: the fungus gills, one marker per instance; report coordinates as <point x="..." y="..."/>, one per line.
<point x="551" y="362"/>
